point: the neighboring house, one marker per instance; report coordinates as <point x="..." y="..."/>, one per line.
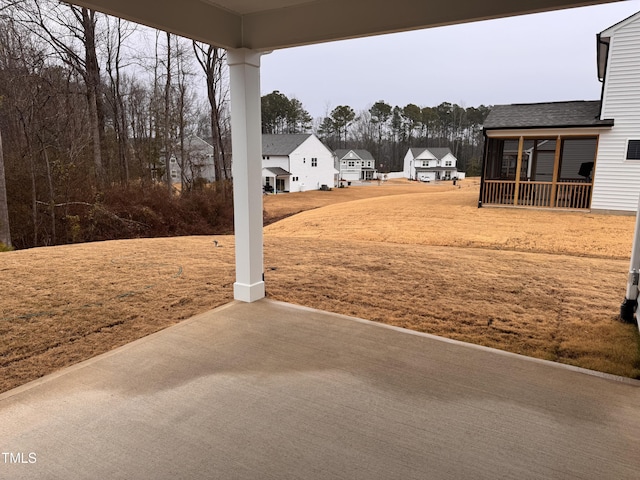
<point x="430" y="164"/>
<point x="577" y="155"/>
<point x="197" y="164"/>
<point x="295" y="163"/>
<point x="354" y="165"/>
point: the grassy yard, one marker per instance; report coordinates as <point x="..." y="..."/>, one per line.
<point x="540" y="283"/>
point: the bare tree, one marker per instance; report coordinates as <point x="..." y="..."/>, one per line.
<point x="117" y="32"/>
<point x="68" y="29"/>
<point x="5" y="232"/>
<point x="213" y="62"/>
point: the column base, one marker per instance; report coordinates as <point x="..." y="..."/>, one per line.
<point x="248" y="293"/>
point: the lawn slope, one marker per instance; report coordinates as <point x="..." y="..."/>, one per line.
<point x="541" y="283"/>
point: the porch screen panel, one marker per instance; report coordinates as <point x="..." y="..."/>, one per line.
<point x="494" y="159"/>
<point x="577" y="160"/>
<point x="545" y="153"/>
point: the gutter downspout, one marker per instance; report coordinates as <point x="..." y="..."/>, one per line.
<point x="600" y="42"/>
<point x="482" y="167"/>
<point x="630" y="302"/>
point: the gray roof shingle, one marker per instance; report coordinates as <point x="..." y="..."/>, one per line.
<point x="438" y="152"/>
<point x="278" y="171"/>
<point x="282" y="144"/>
<point x="363" y="154"/>
<point x="546" y="115"/>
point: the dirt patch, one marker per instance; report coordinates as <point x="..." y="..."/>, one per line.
<point x="540" y="283"/>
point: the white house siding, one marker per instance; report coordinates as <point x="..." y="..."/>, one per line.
<point x="616" y="180"/>
<point x="281" y="161"/>
<point x="449" y="158"/>
<point x="408" y="170"/>
<point x="309" y="177"/>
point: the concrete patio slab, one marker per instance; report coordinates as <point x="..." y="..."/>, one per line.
<point x="274" y="391"/>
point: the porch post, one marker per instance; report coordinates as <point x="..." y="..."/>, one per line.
<point x="516" y="190"/>
<point x="556" y="172"/>
<point x="246" y="142"/>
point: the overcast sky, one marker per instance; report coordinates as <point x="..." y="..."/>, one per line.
<point x="533" y="58"/>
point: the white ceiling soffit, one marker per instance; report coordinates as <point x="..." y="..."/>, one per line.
<point x="271" y="24"/>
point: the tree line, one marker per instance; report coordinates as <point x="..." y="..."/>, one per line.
<point x="386" y="131"/>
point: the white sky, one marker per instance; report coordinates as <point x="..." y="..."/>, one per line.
<point x="533" y="58"/>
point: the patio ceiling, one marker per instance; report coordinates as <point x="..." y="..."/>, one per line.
<point x="265" y="25"/>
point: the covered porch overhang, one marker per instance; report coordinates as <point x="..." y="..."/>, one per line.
<point x="249" y="28"/>
<point x="272" y="175"/>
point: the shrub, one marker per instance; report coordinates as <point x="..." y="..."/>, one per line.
<point x="5" y="248"/>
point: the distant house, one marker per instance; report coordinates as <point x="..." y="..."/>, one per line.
<point x="296" y="162"/>
<point x="354" y="165"/>
<point x="578" y="154"/>
<point x="430" y="164"/>
<point x="196" y="164"/>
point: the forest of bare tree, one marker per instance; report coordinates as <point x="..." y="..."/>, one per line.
<point x="91" y="109"/>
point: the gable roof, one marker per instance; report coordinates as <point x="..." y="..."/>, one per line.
<point x="603" y="40"/>
<point x="546" y="115"/>
<point x="438" y="152"/>
<point x="362" y="154"/>
<point x="282" y="144"/>
<point x="617" y="26"/>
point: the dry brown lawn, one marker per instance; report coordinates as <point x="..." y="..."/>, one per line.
<point x="541" y="283"/>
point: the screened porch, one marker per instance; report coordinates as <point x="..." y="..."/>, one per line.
<point x="553" y="172"/>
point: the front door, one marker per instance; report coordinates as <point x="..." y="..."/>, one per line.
<point x="280" y="184"/>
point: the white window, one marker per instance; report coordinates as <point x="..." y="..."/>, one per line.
<point x="447" y="163"/>
<point x="173" y="160"/>
<point x="368" y="164"/>
<point x="425" y="163"/>
<point x="174" y="174"/>
<point x="352" y="164"/>
<point x="314" y="162"/>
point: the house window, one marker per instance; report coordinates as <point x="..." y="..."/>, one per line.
<point x="425" y="163"/>
<point x="368" y="164"/>
<point x="314" y="162"/>
<point x="352" y="164"/>
<point x="173" y="160"/>
<point x="447" y="163"/>
<point x="633" y="150"/>
<point x="344" y="162"/>
<point x="174" y="174"/>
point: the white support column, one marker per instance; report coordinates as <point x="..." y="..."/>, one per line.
<point x="246" y="142"/>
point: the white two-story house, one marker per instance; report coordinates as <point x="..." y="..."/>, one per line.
<point x="355" y="165"/>
<point x="295" y="163"/>
<point x="430" y="164"/>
